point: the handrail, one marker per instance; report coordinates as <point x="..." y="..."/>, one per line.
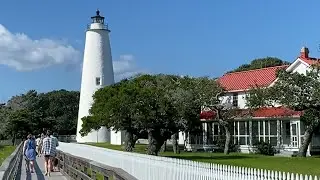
<point x="81" y="168"/>
<point x="10" y="166"/>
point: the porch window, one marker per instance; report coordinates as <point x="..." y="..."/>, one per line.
<point x="216" y="130"/>
<point x="241" y="132"/>
<point x="255" y="132"/>
<point x="273" y="132"/>
<point x="267" y="131"/>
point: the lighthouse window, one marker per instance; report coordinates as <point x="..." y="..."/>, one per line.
<point x="98" y="81"/>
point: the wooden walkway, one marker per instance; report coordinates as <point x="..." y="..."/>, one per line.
<point x="39" y="172"/>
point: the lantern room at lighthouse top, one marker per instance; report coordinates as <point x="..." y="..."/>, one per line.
<point x="97" y="23"/>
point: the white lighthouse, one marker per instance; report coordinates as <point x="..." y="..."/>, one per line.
<point x="97" y="72"/>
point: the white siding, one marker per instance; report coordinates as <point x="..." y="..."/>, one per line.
<point x="300" y="68"/>
<point x="228" y="98"/>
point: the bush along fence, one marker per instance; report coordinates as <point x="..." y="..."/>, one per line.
<point x="10" y="166"/>
<point x="81" y="168"/>
<point x="146" y="167"/>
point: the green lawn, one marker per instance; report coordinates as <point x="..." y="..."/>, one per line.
<point x="5" y="151"/>
<point x="308" y="165"/>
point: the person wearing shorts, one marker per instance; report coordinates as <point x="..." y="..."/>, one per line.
<point x="49" y="152"/>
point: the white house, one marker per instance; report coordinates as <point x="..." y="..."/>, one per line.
<point x="278" y="125"/>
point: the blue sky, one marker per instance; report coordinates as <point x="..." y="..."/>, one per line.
<point x="197" y="38"/>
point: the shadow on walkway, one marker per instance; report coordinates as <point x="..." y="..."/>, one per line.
<point x="38" y="172"/>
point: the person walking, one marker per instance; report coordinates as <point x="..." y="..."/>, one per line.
<point x="29" y="152"/>
<point x="39" y="141"/>
<point x="55" y="140"/>
<point x="49" y="151"/>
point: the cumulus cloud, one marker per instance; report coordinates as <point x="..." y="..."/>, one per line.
<point x="22" y="53"/>
<point x="125" y="67"/>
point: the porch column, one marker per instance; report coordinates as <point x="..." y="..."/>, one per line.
<point x="250" y="133"/>
<point x="209" y="132"/>
<point x="204" y="133"/>
<point x="278" y="134"/>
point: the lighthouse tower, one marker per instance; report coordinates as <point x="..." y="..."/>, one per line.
<point x="97" y="72"/>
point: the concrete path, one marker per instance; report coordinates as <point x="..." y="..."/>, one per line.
<point x="39" y="172"/>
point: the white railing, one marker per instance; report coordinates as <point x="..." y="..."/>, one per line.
<point x="146" y="167"/>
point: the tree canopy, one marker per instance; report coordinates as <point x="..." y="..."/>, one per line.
<point x="153" y="106"/>
<point x="31" y="112"/>
<point x="297" y="91"/>
<point x="261" y="63"/>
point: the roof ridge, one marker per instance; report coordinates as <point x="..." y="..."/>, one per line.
<point x="238" y="72"/>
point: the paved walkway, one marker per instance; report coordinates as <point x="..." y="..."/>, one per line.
<point x="39" y="172"/>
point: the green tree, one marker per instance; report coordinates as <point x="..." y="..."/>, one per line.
<point x="261" y="63"/>
<point x="138" y="106"/>
<point x="4" y="119"/>
<point x="60" y="110"/>
<point x="115" y="107"/>
<point x="156" y="113"/>
<point x="300" y="92"/>
<point x="56" y="110"/>
<point x="210" y="94"/>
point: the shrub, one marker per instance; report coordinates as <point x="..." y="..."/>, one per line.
<point x="232" y="146"/>
<point x="265" y="148"/>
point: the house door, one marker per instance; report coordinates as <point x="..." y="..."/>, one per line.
<point x="294" y="134"/>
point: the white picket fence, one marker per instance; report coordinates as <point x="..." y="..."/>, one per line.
<point x="146" y="167"/>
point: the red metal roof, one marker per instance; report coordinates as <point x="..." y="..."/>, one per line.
<point x="267" y="112"/>
<point x="310" y="61"/>
<point x="244" y="80"/>
<point x="276" y="112"/>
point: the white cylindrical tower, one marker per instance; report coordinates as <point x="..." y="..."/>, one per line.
<point x="97" y="72"/>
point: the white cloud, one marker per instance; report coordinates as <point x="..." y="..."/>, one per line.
<point x="22" y="53"/>
<point x="125" y="67"/>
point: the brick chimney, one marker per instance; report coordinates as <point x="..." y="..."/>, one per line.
<point x="304" y="53"/>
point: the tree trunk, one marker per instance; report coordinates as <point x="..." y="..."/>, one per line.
<point x="129" y="141"/>
<point x="228" y="139"/>
<point x="306" y="141"/>
<point x="164" y="146"/>
<point x="13" y="140"/>
<point x="155" y="142"/>
<point x="175" y="145"/>
<point x="135" y="139"/>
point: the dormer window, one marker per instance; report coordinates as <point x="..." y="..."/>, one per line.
<point x="235" y="99"/>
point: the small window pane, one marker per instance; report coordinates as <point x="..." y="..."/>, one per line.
<point x="242" y="141"/>
<point x="215" y="129"/>
<point x="273" y="141"/>
<point x="242" y="128"/>
<point x="266" y="128"/>
<point x="255" y="140"/>
<point x="287" y="125"/>
<point x="255" y="128"/>
<point x="273" y="127"/>
<point x="261" y="128"/>
<point x="236" y="128"/>
<point x="98" y="81"/>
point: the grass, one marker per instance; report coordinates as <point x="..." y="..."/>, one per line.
<point x="309" y="165"/>
<point x="5" y="151"/>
